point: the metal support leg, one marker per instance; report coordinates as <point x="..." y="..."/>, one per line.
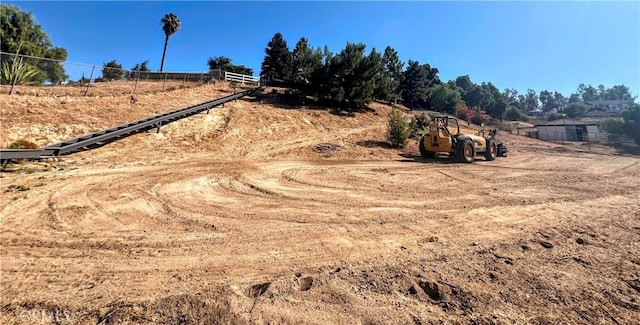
<point x="159" y="125"/>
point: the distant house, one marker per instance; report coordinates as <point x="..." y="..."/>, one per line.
<point x="567" y="130"/>
<point x="606" y="105"/>
<point x="535" y="112"/>
<point x="523" y="128"/>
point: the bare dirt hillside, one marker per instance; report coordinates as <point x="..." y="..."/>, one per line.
<point x="261" y="214"/>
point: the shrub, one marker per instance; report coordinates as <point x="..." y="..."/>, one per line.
<point x="21" y="73"/>
<point x="294" y="97"/>
<point x="514" y="114"/>
<point x="574" y="110"/>
<point x="473" y="115"/>
<point x="555" y="116"/>
<point x="23" y="144"/>
<point x="419" y="123"/>
<point x="398" y="132"/>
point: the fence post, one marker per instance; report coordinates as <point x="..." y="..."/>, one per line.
<point x="89" y="82"/>
<point x="15" y="78"/>
<point x="184" y="80"/>
<point x="243" y="79"/>
<point x="135" y="86"/>
<point x="225" y="76"/>
<point x="165" y="81"/>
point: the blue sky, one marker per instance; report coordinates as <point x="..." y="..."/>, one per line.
<point x="539" y="45"/>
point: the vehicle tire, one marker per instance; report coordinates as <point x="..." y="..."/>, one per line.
<point x="423" y="151"/>
<point x="502" y="150"/>
<point x="465" y="151"/>
<point x="492" y="150"/>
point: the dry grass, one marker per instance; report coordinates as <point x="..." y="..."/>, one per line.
<point x="99" y="89"/>
<point x="48" y="119"/>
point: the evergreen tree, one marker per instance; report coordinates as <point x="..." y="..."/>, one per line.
<point x="321" y="78"/>
<point x="277" y="61"/>
<point x="304" y="64"/>
<point x="224" y="63"/>
<point x="394" y="70"/>
<point x="374" y="70"/>
<point x="352" y="76"/>
<point x="388" y="85"/>
<point x="416" y="85"/>
<point x="112" y="71"/>
<point x="443" y="98"/>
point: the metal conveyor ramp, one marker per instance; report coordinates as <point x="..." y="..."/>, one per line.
<point x="100" y="138"/>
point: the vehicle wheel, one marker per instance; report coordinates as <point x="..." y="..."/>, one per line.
<point x="465" y="151"/>
<point x="423" y="151"/>
<point x="492" y="150"/>
<point x="502" y="150"/>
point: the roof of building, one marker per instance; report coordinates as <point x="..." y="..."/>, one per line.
<point x="563" y="122"/>
<point x="522" y="125"/>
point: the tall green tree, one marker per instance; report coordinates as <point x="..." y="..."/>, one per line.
<point x="219" y="62"/>
<point x="321" y="78"/>
<point x="587" y="93"/>
<point x="170" y="25"/>
<point x="304" y="64"/>
<point x="277" y="61"/>
<point x="112" y="70"/>
<point x="19" y="33"/>
<point x="353" y="76"/>
<point x="417" y="83"/>
<point x="575" y="98"/>
<point x="530" y="100"/>
<point x="225" y="63"/>
<point x="629" y="126"/>
<point x="388" y="87"/>
<point x="444" y="98"/>
<point x="546" y="99"/>
<point x="618" y="92"/>
<point x="551" y="100"/>
<point x="465" y="84"/>
<point x="415" y="86"/>
<point x="141" y="67"/>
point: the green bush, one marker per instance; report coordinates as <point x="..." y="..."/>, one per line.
<point x="21" y="73"/>
<point x="419" y="123"/>
<point x="574" y="110"/>
<point x="398" y="132"/>
<point x="554" y="116"/>
<point x="23" y="144"/>
<point x="514" y="114"/>
<point x="294" y="97"/>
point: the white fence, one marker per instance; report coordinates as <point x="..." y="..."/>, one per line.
<point x="243" y="78"/>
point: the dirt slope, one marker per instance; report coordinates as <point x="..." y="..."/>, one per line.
<point x="256" y="214"/>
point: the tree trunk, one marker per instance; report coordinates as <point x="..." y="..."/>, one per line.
<point x="166" y="41"/>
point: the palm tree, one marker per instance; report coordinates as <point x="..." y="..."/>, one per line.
<point x="170" y="25"/>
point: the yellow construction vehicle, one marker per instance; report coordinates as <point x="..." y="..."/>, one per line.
<point x="444" y="135"/>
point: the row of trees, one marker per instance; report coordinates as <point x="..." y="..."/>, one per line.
<point x="353" y="77"/>
<point x="113" y="70"/>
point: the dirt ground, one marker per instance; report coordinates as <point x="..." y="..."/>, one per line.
<point x="264" y="214"/>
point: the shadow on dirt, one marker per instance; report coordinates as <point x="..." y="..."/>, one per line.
<point x="373" y="144"/>
<point x="626" y="150"/>
<point x="441" y="159"/>
<point x="289" y="101"/>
